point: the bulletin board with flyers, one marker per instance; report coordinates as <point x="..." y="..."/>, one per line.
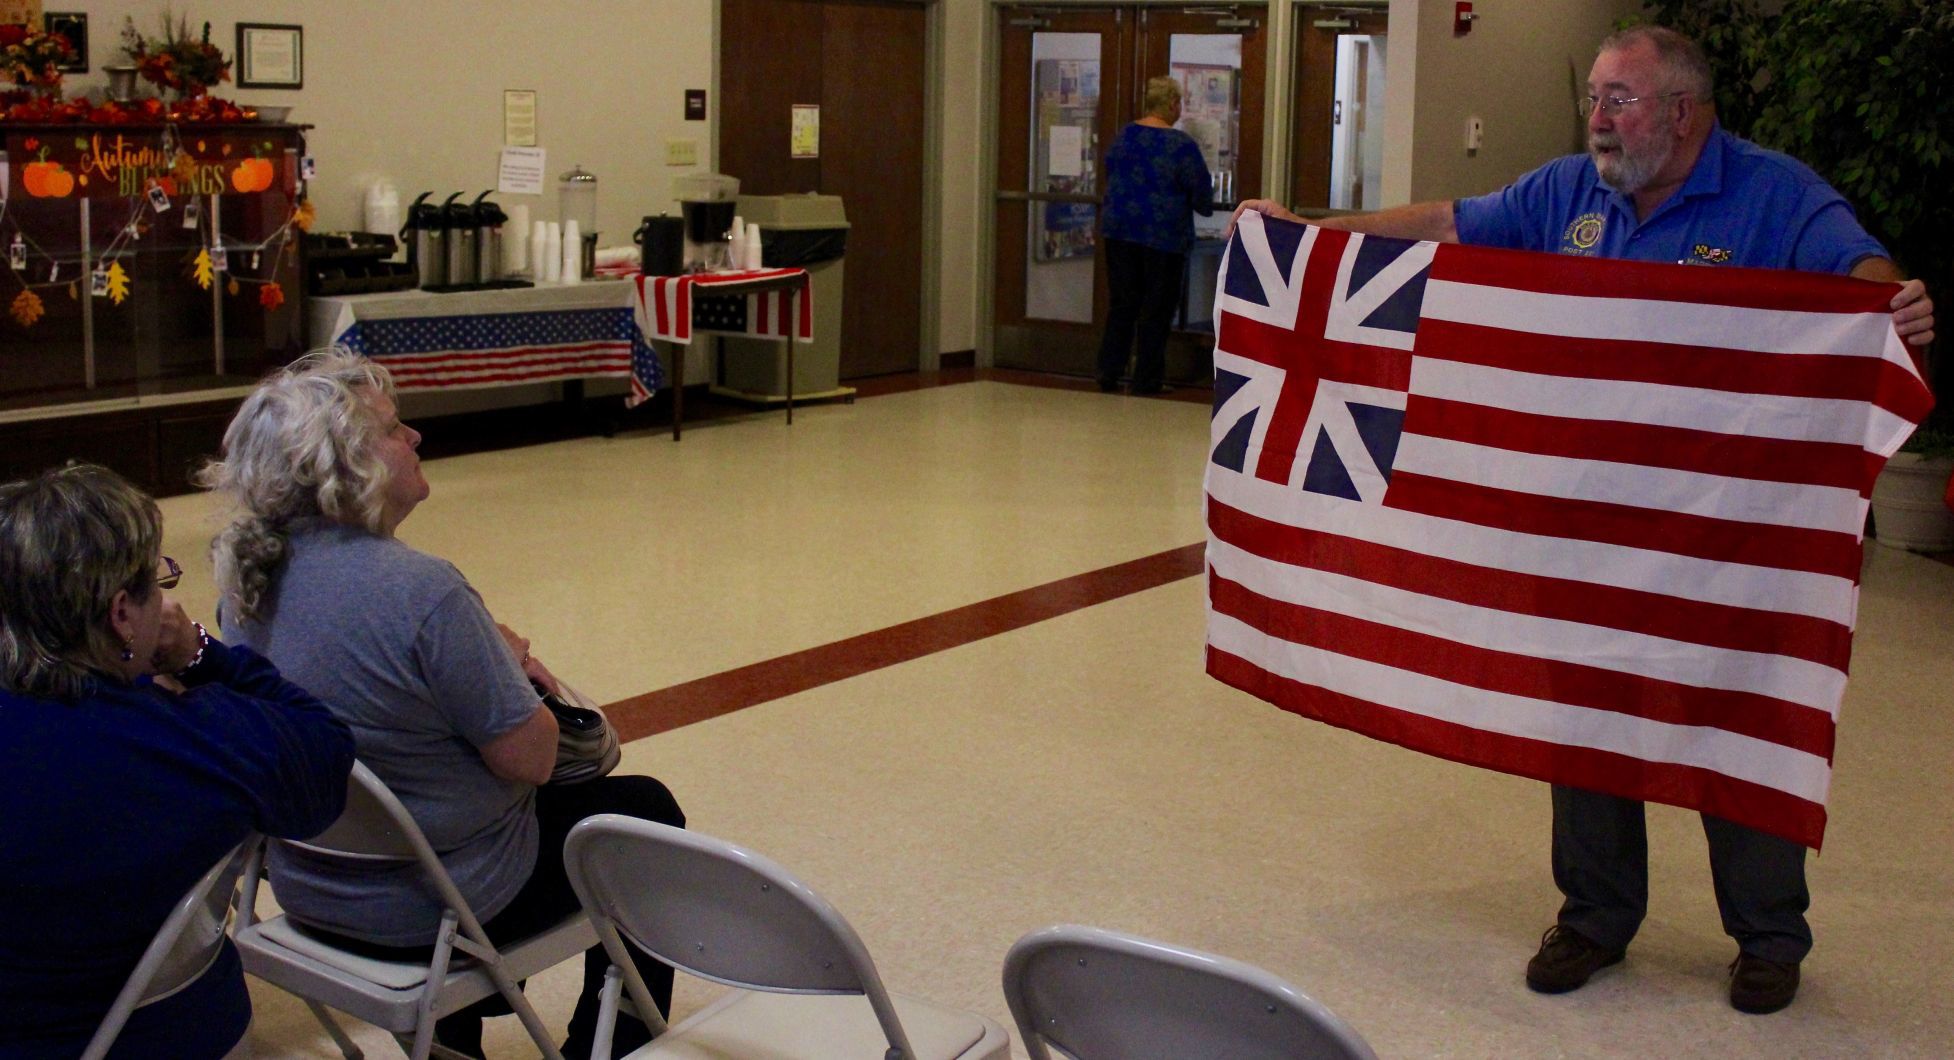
<point x="1211" y="114"/>
<point x="1065" y="156"/>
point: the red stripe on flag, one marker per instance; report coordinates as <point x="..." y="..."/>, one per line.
<point x="1782" y="289"/>
<point x="1631" y="610"/>
<point x="1705" y="537"/>
<point x="1804" y="375"/>
<point x="398" y="362"/>
<point x="682" y="309"/>
<point x="1532" y="677"/>
<point x="1765" y="809"/>
<point x="804" y="308"/>
<point x="1808" y="463"/>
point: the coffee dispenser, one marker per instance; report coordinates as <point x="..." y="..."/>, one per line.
<point x="426" y="236"/>
<point x="461" y="240"/>
<point x="707" y="202"/>
<point x="488" y="220"/>
<point x="576" y="198"/>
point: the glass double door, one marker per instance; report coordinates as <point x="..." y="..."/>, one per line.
<point x="1069" y="80"/>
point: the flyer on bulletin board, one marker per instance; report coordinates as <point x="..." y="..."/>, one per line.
<point x="804" y="138"/>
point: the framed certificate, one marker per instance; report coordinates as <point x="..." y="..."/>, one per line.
<point x="270" y="56"/>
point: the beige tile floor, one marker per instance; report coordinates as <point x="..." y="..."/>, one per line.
<point x="1084" y="769"/>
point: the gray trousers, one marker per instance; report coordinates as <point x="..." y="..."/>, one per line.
<point x="1601" y="863"/>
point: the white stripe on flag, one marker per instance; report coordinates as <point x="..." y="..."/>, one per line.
<point x="1753" y="415"/>
<point x="1806" y="776"/>
<point x="1736" y="584"/>
<point x="1781" y="677"/>
<point x="1635" y="485"/>
<point x="1710" y="327"/>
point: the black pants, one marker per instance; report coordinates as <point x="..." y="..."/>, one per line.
<point x="1601" y="863"/>
<point x="1144" y="286"/>
<point x="544" y="901"/>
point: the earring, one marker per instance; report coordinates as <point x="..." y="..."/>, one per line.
<point x="128" y="649"/>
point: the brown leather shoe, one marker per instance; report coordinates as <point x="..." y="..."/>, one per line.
<point x="1567" y="959"/>
<point x="1759" y="987"/>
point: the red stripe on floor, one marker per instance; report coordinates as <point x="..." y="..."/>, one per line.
<point x="723" y="693"/>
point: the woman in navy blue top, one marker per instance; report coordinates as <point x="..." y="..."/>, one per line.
<point x="1156" y="181"/>
<point x="116" y="793"/>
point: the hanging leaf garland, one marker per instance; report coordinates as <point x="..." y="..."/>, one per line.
<point x="271" y="295"/>
<point x="118" y="290"/>
<point x="206" y="272"/>
<point x="27" y="308"/>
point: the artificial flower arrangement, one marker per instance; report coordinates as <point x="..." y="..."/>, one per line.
<point x="176" y="60"/>
<point x="34" y="57"/>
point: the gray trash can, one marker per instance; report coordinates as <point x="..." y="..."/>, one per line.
<point x="805" y="231"/>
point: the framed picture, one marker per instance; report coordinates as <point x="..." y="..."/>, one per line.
<point x="270" y="56"/>
<point x="74" y="26"/>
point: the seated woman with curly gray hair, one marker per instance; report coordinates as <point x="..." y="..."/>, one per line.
<point x="442" y="701"/>
<point x="117" y="792"/>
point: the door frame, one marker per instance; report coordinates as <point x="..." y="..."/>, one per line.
<point x="929" y="354"/>
<point x="1274" y="111"/>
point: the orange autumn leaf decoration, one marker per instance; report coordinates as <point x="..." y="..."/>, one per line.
<point x="27" y="308"/>
<point x="305" y="216"/>
<point x="271" y="296"/>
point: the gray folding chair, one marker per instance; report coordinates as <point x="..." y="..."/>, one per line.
<point x="726" y="914"/>
<point x="400" y="997"/>
<point x="183" y="950"/>
<point x="1101" y="995"/>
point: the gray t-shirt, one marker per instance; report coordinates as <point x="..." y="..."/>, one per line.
<point x="404" y="652"/>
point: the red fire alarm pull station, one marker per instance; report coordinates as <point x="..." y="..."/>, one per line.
<point x="1462" y="17"/>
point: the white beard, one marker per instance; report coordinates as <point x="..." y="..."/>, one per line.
<point x="1626" y="171"/>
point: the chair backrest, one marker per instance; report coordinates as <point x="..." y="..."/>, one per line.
<point x="182" y="950"/>
<point x="1103" y="995"/>
<point x="374" y="826"/>
<point x="719" y="911"/>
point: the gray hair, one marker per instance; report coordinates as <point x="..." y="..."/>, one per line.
<point x="1683" y="61"/>
<point x="70" y="539"/>
<point x="300" y="446"/>
<point x="1162" y="93"/>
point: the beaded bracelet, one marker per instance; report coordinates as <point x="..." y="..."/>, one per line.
<point x="203" y="642"/>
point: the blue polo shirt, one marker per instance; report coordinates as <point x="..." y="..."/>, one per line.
<point x="1742" y="205"/>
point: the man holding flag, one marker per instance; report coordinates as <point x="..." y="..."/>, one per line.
<point x="1663" y="182"/>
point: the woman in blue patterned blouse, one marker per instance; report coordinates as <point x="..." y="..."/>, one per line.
<point x="1156" y="181"/>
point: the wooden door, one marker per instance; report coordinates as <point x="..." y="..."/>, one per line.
<point x="1064" y="77"/>
<point x="862" y="62"/>
<point x="1316" y="113"/>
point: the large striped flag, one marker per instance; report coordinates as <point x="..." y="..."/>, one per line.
<point x="674" y="308"/>
<point x="1592" y="522"/>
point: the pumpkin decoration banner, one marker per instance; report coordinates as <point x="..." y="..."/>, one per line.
<point x="54" y="163"/>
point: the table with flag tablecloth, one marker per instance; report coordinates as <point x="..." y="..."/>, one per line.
<point x="503" y="337"/>
<point x="756" y="303"/>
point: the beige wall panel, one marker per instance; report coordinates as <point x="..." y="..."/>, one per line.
<point x="412" y="92"/>
<point x="1513" y="72"/>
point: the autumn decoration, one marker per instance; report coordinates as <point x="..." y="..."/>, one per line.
<point x="176" y="60"/>
<point x="34" y="57"/>
<point x="27" y="308"/>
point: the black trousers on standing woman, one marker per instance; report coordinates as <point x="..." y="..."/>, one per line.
<point x="1144" y="286"/>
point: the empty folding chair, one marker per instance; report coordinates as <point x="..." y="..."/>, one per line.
<point x="722" y="912"/>
<point x="397" y="996"/>
<point x="183" y="950"/>
<point x="1101" y="995"/>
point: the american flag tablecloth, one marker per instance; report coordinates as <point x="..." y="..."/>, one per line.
<point x="674" y="308"/>
<point x="495" y="338"/>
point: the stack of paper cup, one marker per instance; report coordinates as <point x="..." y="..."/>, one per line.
<point x="753" y="246"/>
<point x="553" y="253"/>
<point x="515" y="245"/>
<point x="572" y="251"/>
<point x="539" y="243"/>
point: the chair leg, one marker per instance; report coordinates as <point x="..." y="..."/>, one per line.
<point x="600" y="1043"/>
<point x="524" y="1011"/>
<point x="437" y="973"/>
<point x="338" y="1034"/>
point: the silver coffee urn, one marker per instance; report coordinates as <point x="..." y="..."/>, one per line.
<point x="488" y="220"/>
<point x="426" y="236"/>
<point x="462" y="265"/>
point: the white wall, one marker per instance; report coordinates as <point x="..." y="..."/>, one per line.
<point x="413" y="91"/>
